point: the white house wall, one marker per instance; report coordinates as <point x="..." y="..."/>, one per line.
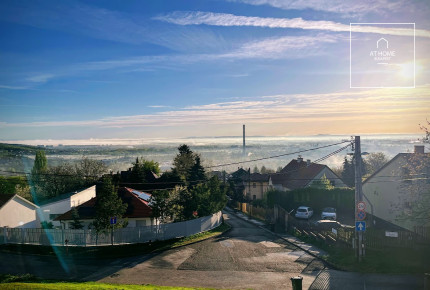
<point x="386" y="197"/>
<point x="59" y="207"/>
<point x="17" y="213"/>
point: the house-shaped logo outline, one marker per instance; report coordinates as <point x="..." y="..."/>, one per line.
<point x="377" y="43"/>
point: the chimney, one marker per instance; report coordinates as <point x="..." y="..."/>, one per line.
<point x="308" y="162"/>
<point x="419" y="149"/>
<point x="244" y="148"/>
<point x="299" y="159"/>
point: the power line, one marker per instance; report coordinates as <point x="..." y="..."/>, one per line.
<point x="276" y="156"/>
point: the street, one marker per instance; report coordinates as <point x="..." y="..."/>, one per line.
<point x="246" y="257"/>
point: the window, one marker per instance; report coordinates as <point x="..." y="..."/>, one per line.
<point x="333" y="182"/>
<point x="254" y="197"/>
<point x="254" y="185"/>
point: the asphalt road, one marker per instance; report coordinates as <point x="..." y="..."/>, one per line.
<point x="246" y="257"/>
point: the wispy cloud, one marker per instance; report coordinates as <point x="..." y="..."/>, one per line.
<point x="345" y="7"/>
<point x="334" y="107"/>
<point x="13" y="87"/>
<point x="41" y="78"/>
<point x="100" y="23"/>
<point x="225" y="19"/>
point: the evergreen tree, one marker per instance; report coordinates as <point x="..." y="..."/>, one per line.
<point x="348" y="173"/>
<point x="40" y="163"/>
<point x="197" y="172"/>
<point x="108" y="205"/>
<point x="38" y="172"/>
<point x="184" y="161"/>
<point x="76" y="223"/>
<point x="256" y="170"/>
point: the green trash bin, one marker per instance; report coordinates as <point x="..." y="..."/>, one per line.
<point x="297" y="282"/>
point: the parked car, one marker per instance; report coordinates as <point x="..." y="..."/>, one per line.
<point x="304" y="212"/>
<point x="329" y="213"/>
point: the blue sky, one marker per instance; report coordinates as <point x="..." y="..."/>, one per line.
<point x="139" y="69"/>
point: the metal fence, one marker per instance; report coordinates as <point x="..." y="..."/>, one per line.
<point x="58" y="237"/>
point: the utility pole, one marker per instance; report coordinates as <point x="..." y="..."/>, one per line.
<point x="358" y="194"/>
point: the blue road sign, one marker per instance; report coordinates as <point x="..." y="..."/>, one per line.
<point x="360" y="226"/>
<point x="113" y="220"/>
<point x="361" y="215"/>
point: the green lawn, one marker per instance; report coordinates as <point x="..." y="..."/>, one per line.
<point x="386" y="260"/>
<point x="116" y="251"/>
<point x="87" y="285"/>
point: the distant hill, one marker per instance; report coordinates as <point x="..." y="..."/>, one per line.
<point x="17" y="149"/>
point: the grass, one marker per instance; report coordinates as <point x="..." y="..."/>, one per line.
<point x="87" y="285"/>
<point x="385" y="260"/>
<point x="116" y="251"/>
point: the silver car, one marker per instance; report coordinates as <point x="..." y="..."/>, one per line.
<point x="329" y="213"/>
<point x="304" y="212"/>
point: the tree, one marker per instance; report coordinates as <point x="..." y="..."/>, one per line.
<point x="348" y="173"/>
<point x="184" y="161"/>
<point x="76" y="223"/>
<point x="374" y="161"/>
<point x="143" y="172"/>
<point x="323" y="183"/>
<point x="164" y="205"/>
<point x="108" y="205"/>
<point x="38" y="172"/>
<point x="256" y="170"/>
<point x="197" y="172"/>
<point x="90" y="170"/>
<point x="40" y="163"/>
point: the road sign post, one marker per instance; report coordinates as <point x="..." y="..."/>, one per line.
<point x="112" y="222"/>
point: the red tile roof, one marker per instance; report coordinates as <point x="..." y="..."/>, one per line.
<point x="136" y="207"/>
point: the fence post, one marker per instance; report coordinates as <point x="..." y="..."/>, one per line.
<point x="85" y="237"/>
<point x="22" y="236"/>
<point x="5" y="234"/>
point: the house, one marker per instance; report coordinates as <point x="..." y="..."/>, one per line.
<point x="256" y="185"/>
<point x="138" y="210"/>
<point x="17" y="212"/>
<point x="52" y="208"/>
<point x="297" y="174"/>
<point x="301" y="174"/>
<point x="394" y="191"/>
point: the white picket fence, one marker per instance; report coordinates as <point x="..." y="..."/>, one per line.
<point x="58" y="237"/>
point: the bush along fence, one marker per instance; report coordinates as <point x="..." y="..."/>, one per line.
<point x="59" y="237"/>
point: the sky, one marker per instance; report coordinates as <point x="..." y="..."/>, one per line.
<point x="151" y="69"/>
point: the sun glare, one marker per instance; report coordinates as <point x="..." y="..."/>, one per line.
<point x="406" y="70"/>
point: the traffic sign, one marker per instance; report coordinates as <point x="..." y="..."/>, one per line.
<point x="113" y="220"/>
<point x="361" y="205"/>
<point x="361" y="215"/>
<point x="360" y="226"/>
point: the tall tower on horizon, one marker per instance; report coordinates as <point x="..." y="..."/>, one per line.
<point x="244" y="150"/>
